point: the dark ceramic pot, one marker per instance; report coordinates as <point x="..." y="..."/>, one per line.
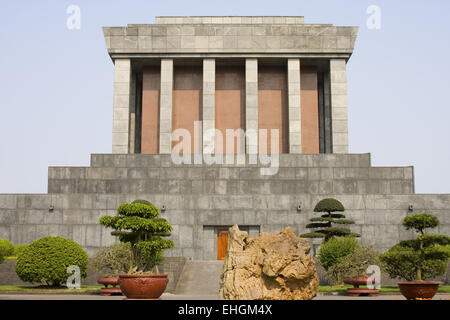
<point x="139" y="286"/>
<point x="419" y="289"/>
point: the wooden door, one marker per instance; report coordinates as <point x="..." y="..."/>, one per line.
<point x="222" y="244"/>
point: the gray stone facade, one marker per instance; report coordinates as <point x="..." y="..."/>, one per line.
<point x="201" y="198"/>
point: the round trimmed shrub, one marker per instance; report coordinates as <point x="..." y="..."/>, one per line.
<point x="6" y="249"/>
<point x="333" y="250"/>
<point x="46" y="261"/>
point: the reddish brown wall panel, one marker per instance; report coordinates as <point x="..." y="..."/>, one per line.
<point x="309" y="111"/>
<point x="229" y="104"/>
<point x="150" y="110"/>
<point x="273" y="104"/>
<point x="187" y="100"/>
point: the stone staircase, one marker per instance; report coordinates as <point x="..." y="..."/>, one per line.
<point x="200" y="277"/>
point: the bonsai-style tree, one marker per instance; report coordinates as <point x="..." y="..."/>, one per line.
<point x="353" y="264"/>
<point x="113" y="261"/>
<point x="324" y="225"/>
<point x="139" y="224"/>
<point x="421" y="258"/>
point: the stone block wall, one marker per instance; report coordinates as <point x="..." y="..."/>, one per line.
<point x="202" y="196"/>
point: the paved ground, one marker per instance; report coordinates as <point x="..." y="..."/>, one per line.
<point x="169" y="296"/>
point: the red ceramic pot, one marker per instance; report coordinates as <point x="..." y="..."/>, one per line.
<point x="113" y="281"/>
<point x="419" y="289"/>
<point x="143" y="286"/>
<point x="358" y="281"/>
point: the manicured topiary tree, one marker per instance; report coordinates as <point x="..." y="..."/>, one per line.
<point x="422" y="258"/>
<point x="323" y="226"/>
<point x="46" y="261"/>
<point x="139" y="224"/>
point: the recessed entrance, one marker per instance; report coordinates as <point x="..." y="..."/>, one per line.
<point x="215" y="240"/>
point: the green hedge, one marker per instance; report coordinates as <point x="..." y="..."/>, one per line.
<point x="46" y="261"/>
<point x="6" y="249"/>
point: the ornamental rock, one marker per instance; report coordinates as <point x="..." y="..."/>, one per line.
<point x="269" y="267"/>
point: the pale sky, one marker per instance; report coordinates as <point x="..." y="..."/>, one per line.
<point x="56" y="84"/>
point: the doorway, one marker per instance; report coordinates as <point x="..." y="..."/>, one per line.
<point x="222" y="243"/>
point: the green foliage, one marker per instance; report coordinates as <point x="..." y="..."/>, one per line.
<point x="138" y="210"/>
<point x="138" y="223"/>
<point x="324" y="224"/>
<point x="6" y="249"/>
<point x="113" y="260"/>
<point x="353" y="264"/>
<point x="329" y="205"/>
<point x="404" y="262"/>
<point x="421" y="221"/>
<point x="148" y="203"/>
<point x="333" y="250"/>
<point x="46" y="260"/>
<point x="421" y="258"/>
<point x="334" y="220"/>
<point x="18" y="249"/>
<point x="151" y="251"/>
<point x="313" y="235"/>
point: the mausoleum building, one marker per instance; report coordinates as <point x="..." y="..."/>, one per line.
<point x="277" y="85"/>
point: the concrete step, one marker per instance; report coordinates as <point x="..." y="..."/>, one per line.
<point x="227" y="180"/>
<point x="200" y="277"/>
<point x="285" y="160"/>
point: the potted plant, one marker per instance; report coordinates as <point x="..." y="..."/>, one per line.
<point x="418" y="259"/>
<point x="138" y="223"/>
<point x="110" y="262"/>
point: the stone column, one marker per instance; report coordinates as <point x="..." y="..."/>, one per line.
<point x="339" y="116"/>
<point x="209" y="89"/>
<point x="121" y="106"/>
<point x="328" y="138"/>
<point x="251" y="105"/>
<point x="132" y="136"/>
<point x="165" y="109"/>
<point x="295" y="129"/>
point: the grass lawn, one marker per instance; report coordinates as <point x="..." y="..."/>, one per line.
<point x="50" y="290"/>
<point x="383" y="289"/>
